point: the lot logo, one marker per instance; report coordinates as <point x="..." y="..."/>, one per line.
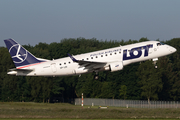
<point x="136" y="52"/>
<point x="18" y="53"/>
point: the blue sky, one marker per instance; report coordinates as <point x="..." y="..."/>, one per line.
<point x="47" y="21"/>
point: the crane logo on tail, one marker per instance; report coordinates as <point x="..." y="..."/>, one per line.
<point x="18" y="54"/>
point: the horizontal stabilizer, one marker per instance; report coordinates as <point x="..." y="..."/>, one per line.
<point x="15" y="69"/>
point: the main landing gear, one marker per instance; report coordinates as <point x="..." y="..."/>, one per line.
<point x="96" y="76"/>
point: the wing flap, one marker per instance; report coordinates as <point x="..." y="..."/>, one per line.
<point x="90" y="65"/>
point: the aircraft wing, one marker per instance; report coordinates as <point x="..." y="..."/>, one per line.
<point x="88" y="64"/>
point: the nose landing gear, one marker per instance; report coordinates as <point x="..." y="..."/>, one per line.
<point x="155" y="65"/>
<point x="155" y="62"/>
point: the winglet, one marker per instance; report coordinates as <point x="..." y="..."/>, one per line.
<point x="73" y="59"/>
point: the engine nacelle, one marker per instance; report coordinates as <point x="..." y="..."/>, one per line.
<point x="115" y="66"/>
<point x="80" y="71"/>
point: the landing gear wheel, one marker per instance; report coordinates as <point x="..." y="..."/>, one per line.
<point x="96" y="77"/>
<point x="155" y="64"/>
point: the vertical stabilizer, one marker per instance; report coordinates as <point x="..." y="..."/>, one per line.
<point x="20" y="56"/>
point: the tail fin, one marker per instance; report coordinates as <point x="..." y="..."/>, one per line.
<point x="19" y="54"/>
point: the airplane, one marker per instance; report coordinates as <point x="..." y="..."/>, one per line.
<point x="113" y="59"/>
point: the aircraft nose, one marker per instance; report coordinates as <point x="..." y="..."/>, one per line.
<point x="172" y="49"/>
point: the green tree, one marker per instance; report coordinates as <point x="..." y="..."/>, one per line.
<point x="164" y="80"/>
<point x="150" y="80"/>
<point x="174" y="79"/>
<point x="107" y="90"/>
<point x="123" y="91"/>
<point x="165" y="67"/>
<point x="143" y="39"/>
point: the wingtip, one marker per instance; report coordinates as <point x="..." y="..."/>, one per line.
<point x="73" y="59"/>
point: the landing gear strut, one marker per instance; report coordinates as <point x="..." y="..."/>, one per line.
<point x="155" y="62"/>
<point x="96" y="76"/>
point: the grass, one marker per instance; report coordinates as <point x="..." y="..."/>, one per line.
<point x="82" y="119"/>
<point x="68" y="111"/>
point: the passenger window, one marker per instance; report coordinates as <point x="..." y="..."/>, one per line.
<point x="87" y="59"/>
<point x="60" y="64"/>
<point x="69" y="62"/>
<point x="91" y="57"/>
<point x="96" y="56"/>
<point x="101" y="55"/>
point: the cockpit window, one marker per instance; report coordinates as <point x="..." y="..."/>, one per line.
<point x="159" y="44"/>
<point x="162" y="43"/>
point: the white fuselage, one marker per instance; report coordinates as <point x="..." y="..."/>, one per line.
<point x="125" y="54"/>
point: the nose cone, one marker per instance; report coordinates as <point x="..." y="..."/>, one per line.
<point x="172" y="49"/>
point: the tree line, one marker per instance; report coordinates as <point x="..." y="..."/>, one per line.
<point x="138" y="81"/>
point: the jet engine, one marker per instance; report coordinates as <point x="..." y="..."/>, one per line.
<point x="116" y="66"/>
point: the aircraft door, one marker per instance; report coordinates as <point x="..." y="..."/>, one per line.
<point x="150" y="50"/>
<point x="156" y="47"/>
<point x="150" y="47"/>
<point x="53" y="67"/>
